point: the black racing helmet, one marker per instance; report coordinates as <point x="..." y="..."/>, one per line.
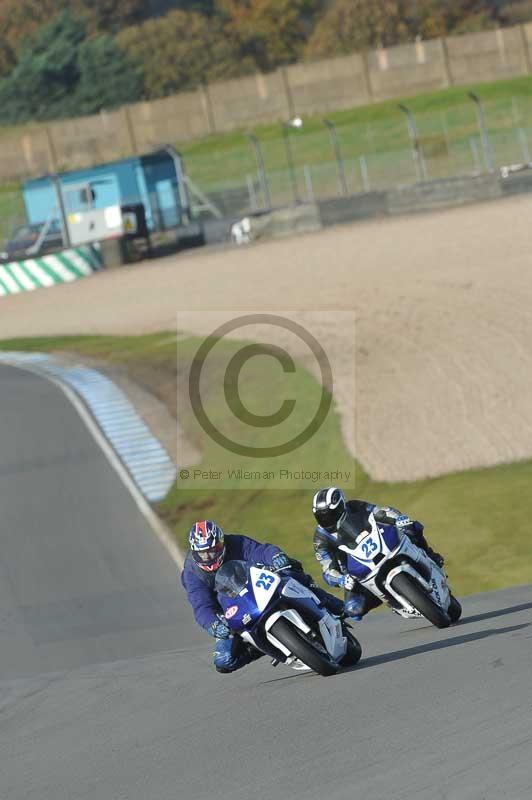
<point x="329" y="506"/>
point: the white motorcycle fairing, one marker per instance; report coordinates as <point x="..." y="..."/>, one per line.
<point x="330" y="627"/>
<point x="435" y="585"/>
<point x="292" y="616"/>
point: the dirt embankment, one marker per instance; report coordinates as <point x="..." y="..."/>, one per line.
<point x="444" y="324"/>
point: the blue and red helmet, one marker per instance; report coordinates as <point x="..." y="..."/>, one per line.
<point x="206" y="540"/>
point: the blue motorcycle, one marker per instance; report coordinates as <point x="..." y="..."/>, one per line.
<point x="387" y="563"/>
<point x="278" y="615"/>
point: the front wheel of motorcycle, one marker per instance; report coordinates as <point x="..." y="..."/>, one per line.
<point x="455" y="610"/>
<point x="354" y="650"/>
<point x="302" y="648"/>
<point x="406" y="586"/>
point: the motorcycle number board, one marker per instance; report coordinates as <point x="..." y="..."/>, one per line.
<point x="368" y="548"/>
<point x="264" y="585"/>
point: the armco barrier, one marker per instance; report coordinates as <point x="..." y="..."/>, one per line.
<point x="303" y="218"/>
<point x="519" y="183"/>
<point x="414" y="199"/>
<point x="420" y="197"/>
<point x="350" y="209"/>
<point x="50" y="270"/>
<point x="443" y="194"/>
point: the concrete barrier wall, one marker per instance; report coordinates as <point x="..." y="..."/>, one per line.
<point x="526" y="31"/>
<point x="442" y="194"/>
<point x="305" y="88"/>
<point x="487" y="56"/>
<point x="25" y="152"/>
<point x="82" y="141"/>
<point x="414" y="199"/>
<point x="256" y="99"/>
<point x="422" y="67"/>
<point x="176" y="118"/>
<point x="333" y="84"/>
<point x="350" y="209"/>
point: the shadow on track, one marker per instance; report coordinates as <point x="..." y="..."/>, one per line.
<point x="500" y="612"/>
<point x="398" y="655"/>
<point x="297" y="676"/>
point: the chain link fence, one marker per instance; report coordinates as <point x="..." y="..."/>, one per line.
<point x="316" y="159"/>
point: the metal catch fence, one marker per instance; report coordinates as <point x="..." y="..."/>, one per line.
<point x="303" y="160"/>
<point x="307" y="159"/>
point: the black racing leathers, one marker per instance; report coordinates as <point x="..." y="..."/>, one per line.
<point x="333" y="561"/>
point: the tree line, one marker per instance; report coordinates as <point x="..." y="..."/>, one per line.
<point x="68" y="57"/>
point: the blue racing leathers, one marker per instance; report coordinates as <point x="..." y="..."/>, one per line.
<point x="332" y="561"/>
<point x="230" y="652"/>
<point x="199" y="584"/>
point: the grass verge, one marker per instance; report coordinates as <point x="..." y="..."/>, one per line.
<point x="11" y="209"/>
<point x="479" y="518"/>
<point x="446" y="122"/>
<point x="447" y="129"/>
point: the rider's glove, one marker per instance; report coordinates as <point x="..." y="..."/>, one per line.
<point x="280" y="561"/>
<point x="348" y="582"/>
<point x="219" y="629"/>
<point x="296" y="565"/>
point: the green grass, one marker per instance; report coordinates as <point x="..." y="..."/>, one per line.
<point x="447" y="128"/>
<point x="11" y="209"/>
<point x="446" y="123"/>
<point x="479" y="519"/>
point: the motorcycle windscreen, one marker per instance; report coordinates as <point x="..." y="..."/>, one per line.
<point x="351" y="528"/>
<point x="231" y="578"/>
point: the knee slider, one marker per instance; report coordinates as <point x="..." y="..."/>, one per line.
<point x="223" y="670"/>
<point x="355" y="606"/>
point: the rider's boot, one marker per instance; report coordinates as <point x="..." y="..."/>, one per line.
<point x="358" y="602"/>
<point x="417" y="538"/>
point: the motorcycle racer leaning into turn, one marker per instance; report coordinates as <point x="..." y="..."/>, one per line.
<point x="331" y="510"/>
<point x="209" y="548"/>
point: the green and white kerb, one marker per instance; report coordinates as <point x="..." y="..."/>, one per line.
<point x="46" y="271"/>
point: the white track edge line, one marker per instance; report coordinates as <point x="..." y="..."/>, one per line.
<point x="157" y="525"/>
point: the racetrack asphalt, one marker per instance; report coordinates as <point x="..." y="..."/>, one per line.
<point x="107" y="690"/>
<point x="82" y="577"/>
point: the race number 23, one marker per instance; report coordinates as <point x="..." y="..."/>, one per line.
<point x="369" y="547"/>
<point x="265" y="581"/>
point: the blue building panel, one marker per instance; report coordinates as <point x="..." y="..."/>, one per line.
<point x="151" y="180"/>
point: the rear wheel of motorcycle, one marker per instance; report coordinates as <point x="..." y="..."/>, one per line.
<point x="455" y="610"/>
<point x="407" y="586"/>
<point x="354" y="651"/>
<point x="301" y="648"/>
